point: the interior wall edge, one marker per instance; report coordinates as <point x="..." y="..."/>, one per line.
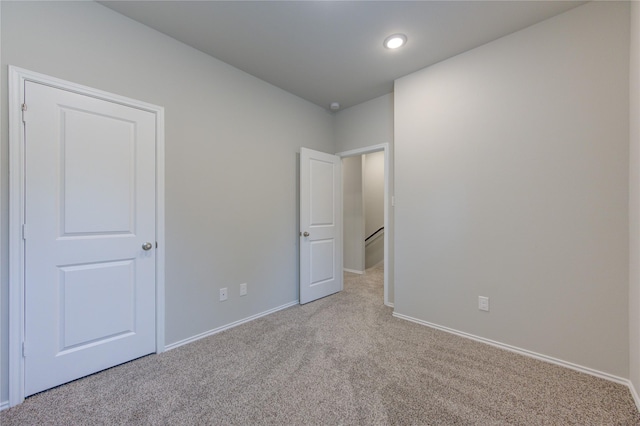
<point x="634" y="202"/>
<point x="634" y="393"/>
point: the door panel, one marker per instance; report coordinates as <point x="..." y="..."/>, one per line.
<point x="100" y="171"/>
<point x="96" y="302"/>
<point x="321" y="218"/>
<point x="321" y="185"/>
<point x="90" y="206"/>
<point x="323" y="266"/>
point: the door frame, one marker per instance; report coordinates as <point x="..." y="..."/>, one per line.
<point x="17" y="79"/>
<point x="384" y="147"/>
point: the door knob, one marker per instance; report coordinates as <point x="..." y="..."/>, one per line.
<point x="305" y="234"/>
<point x="147" y="246"/>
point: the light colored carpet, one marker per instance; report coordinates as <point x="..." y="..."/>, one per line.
<point x="340" y="360"/>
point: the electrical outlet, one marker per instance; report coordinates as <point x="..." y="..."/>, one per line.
<point x="483" y="303"/>
<point x="243" y="289"/>
<point x="223" y="294"/>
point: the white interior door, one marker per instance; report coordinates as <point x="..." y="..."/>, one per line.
<point x="89" y="235"/>
<point x="321" y="225"/>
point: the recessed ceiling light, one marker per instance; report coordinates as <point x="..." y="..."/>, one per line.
<point x="394" y="41"/>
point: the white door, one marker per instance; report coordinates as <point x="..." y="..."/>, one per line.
<point x="320" y="225"/>
<point x="89" y="235"/>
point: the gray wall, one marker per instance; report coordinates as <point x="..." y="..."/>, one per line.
<point x="231" y="162"/>
<point x="373" y="177"/>
<point x="352" y="207"/>
<point x="373" y="183"/>
<point x="370" y="123"/>
<point x="634" y="200"/>
<point x="512" y="183"/>
<point x="364" y="125"/>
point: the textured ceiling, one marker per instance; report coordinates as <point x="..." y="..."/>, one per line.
<point x="331" y="51"/>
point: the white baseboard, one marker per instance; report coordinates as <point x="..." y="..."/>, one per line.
<point x="228" y="326"/>
<point x="389" y="304"/>
<point x="4" y="405"/>
<point x="525" y="352"/>
<point x="353" y="271"/>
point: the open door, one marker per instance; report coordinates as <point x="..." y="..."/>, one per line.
<point x="320" y="225"/>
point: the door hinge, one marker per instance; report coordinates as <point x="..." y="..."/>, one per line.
<point x="24" y="350"/>
<point x="24" y="231"/>
<point x="24" y="110"/>
<point x="156" y="244"/>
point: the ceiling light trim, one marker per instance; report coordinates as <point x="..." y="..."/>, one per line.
<point x="395" y="41"/>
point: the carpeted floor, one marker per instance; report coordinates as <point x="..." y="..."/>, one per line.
<point x="340" y="360"/>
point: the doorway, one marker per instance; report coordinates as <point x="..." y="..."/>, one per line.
<point x="366" y="202"/>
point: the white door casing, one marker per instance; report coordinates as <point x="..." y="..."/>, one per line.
<point x="93" y="194"/>
<point x="320" y="225"/>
